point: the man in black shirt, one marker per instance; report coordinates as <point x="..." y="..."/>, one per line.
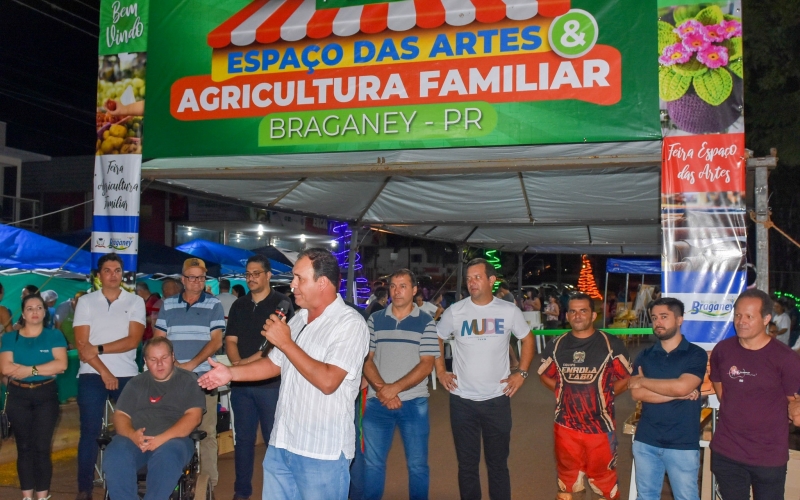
<point x="252" y="402"/>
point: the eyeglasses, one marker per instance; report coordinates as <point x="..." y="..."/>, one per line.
<point x="195" y="279"/>
<point x="254" y="274"/>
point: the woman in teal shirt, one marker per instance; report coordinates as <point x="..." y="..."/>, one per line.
<point x="31" y="358"/>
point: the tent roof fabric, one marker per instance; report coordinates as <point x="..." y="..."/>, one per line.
<point x="23" y="249"/>
<point x="268" y="21"/>
<point x="232" y="260"/>
<point x="600" y="199"/>
<point x="633" y="266"/>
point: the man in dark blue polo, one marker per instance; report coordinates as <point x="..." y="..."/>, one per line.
<point x="667" y="378"/>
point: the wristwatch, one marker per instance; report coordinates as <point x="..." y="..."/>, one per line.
<point x="34" y="371"/>
<point x="523" y="373"/>
<point x="100" y="349"/>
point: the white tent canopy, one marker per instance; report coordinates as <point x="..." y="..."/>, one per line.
<point x="582" y="198"/>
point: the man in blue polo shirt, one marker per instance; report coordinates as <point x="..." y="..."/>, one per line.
<point x="667" y="378"/>
<point x="194" y="321"/>
<point x="402" y="348"/>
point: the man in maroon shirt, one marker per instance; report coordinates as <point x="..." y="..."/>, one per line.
<point x="755" y="378"/>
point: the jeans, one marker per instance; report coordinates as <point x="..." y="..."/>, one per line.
<point x="491" y="419"/>
<point x="288" y="476"/>
<point x="123" y="459"/>
<point x="251" y="405"/>
<point x="735" y="479"/>
<point x="92" y="396"/>
<point x="357" y="465"/>
<point x="33" y="414"/>
<point x="682" y="467"/>
<point x="379" y="425"/>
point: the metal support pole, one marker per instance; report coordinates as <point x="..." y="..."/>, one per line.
<point x="605" y="302"/>
<point x="351" y="263"/>
<point x="519" y="278"/>
<point x="761" y="193"/>
<point x="627" y="291"/>
<point x="558" y="271"/>
<point x="460" y="276"/>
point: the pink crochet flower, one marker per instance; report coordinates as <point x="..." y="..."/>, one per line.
<point x="695" y="42"/>
<point x="675" y="54"/>
<point x="714" y="56"/>
<point x="731" y="29"/>
<point x="690" y="27"/>
<point x="715" y="33"/>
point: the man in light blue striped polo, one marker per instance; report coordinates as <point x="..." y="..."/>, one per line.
<point x="402" y="348"/>
<point x="194" y="321"/>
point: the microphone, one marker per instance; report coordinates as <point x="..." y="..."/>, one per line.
<point x="283" y="307"/>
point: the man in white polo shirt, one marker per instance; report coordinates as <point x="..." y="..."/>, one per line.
<point x="319" y="356"/>
<point x="108" y="325"/>
<point x="482" y="383"/>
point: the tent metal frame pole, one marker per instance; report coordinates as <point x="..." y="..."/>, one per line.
<point x="519" y="278"/>
<point x="460" y="277"/>
<point x="605" y="301"/>
<point x="351" y="262"/>
<point x="627" y="288"/>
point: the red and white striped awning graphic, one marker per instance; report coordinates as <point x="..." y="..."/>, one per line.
<point x="267" y="21"/>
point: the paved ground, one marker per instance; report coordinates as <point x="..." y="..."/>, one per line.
<point x="531" y="462"/>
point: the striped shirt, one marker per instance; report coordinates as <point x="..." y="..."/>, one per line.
<point x="307" y="422"/>
<point x="399" y="345"/>
<point x="189" y="327"/>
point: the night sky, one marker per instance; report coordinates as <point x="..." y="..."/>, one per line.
<point x="48" y="75"/>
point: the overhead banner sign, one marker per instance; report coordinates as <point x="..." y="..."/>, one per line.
<point x="282" y="76"/>
<point x="703" y="177"/>
<point x="120" y="106"/>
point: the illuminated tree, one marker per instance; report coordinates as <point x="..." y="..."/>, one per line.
<point x="586" y="282"/>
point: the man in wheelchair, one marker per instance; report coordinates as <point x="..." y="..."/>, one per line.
<point x="155" y="415"/>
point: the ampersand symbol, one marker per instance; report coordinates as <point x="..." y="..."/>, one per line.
<point x="571" y="37"/>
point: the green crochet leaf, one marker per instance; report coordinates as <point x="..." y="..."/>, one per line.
<point x="666" y="36"/>
<point x="684" y="12"/>
<point x="734" y="46"/>
<point x="671" y="85"/>
<point x="691" y="68"/>
<point x="710" y="15"/>
<point x="729" y="17"/>
<point x="714" y="86"/>
<point x="737" y="68"/>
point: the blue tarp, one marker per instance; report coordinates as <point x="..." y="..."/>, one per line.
<point x="232" y="260"/>
<point x="633" y="266"/>
<point x="153" y="257"/>
<point x="26" y="250"/>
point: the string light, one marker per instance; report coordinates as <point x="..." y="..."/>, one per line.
<point x="342" y="234"/>
<point x="787" y="295"/>
<point x="586" y="282"/>
<point x="494" y="260"/>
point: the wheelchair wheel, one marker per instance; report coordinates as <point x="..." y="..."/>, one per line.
<point x="202" y="488"/>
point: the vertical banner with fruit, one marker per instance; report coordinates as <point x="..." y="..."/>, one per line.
<point x="120" y="107"/>
<point x="703" y="175"/>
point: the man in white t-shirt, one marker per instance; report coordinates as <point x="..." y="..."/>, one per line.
<point x="482" y="383"/>
<point x="225" y="296"/>
<point x="783" y="322"/>
<point x="108" y="326"/>
<point x="319" y="355"/>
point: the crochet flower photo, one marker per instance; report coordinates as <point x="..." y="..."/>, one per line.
<point x="700" y="68"/>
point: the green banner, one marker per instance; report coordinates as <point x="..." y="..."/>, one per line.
<point x="255" y="78"/>
<point x="123" y="26"/>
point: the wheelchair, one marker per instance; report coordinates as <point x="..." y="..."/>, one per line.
<point x="192" y="485"/>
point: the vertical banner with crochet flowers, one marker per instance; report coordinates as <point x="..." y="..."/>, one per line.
<point x="703" y="177"/>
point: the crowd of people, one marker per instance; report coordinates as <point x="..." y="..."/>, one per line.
<point x="328" y="388"/>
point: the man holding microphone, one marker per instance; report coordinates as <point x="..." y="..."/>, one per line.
<point x="319" y="356"/>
